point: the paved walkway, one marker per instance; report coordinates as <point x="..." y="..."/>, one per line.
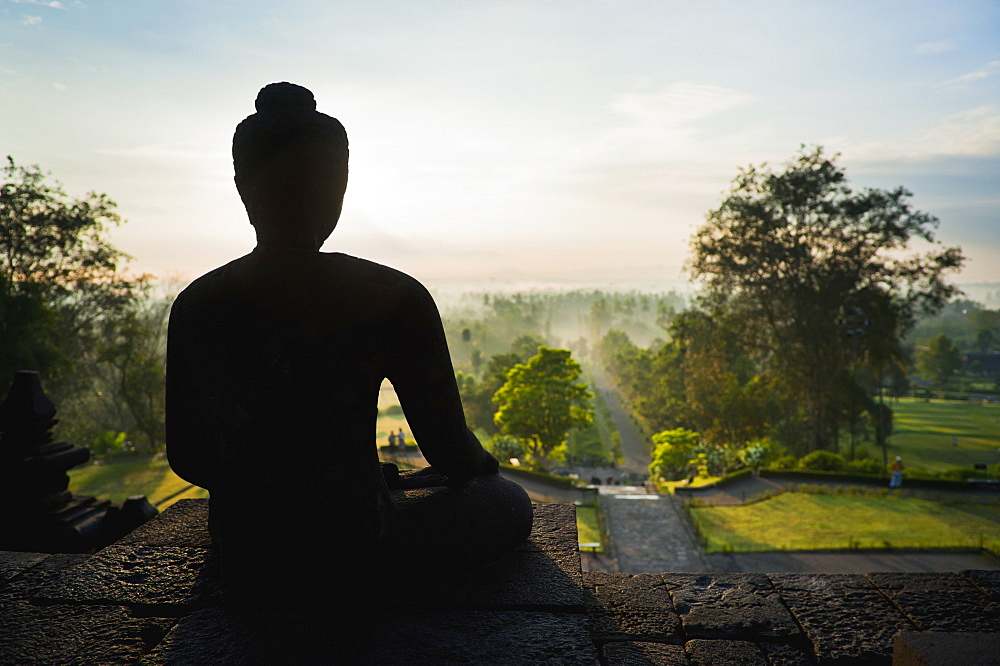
<point x="649" y="533"/>
<point x="634" y="447"/>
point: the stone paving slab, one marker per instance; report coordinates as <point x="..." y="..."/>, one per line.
<point x="74" y="634"/>
<point x="987" y="581"/>
<point x="633" y="608"/>
<point x="482" y="637"/>
<point x="170" y="579"/>
<point x="780" y="654"/>
<point x="724" y="653"/>
<point x="642" y="654"/>
<point x="29" y="581"/>
<point x="845" y="618"/>
<point x="940" y="602"/>
<point x="731" y="606"/>
<point x="529" y="580"/>
<point x="553" y="529"/>
<point x="650" y="534"/>
<point x="183" y="524"/>
<point x="225" y="636"/>
<point x="12" y="564"/>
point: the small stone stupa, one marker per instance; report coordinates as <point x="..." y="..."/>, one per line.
<point x="37" y="511"/>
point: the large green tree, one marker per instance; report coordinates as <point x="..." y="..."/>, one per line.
<point x="542" y="400"/>
<point x="70" y="311"/>
<point x="798" y="250"/>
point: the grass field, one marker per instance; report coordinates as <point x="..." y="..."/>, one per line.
<point x="923" y="432"/>
<point x="151" y="477"/>
<point x="801" y="521"/>
<point x="587" y="527"/>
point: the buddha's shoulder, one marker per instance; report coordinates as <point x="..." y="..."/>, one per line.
<point x="207" y="288"/>
<point x="378" y="276"/>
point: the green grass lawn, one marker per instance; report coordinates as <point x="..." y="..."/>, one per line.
<point x="151" y="477"/>
<point x="587" y="526"/>
<point x="801" y="521"/>
<point x="923" y="432"/>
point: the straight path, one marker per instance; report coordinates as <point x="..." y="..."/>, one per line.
<point x="649" y="533"/>
<point x="634" y="446"/>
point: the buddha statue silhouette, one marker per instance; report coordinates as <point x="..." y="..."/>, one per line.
<point x="274" y="365"/>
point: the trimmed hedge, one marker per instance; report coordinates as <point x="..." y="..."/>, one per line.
<point x="869" y="479"/>
<point x="562" y="481"/>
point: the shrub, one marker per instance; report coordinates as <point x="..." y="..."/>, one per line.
<point x="865" y="466"/>
<point x="785" y="462"/>
<point x="823" y="461"/>
<point x="505" y="447"/>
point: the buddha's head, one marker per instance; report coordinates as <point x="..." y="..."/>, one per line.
<point x="291" y="167"/>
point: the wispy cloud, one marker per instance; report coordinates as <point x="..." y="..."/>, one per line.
<point x="984" y="72"/>
<point x="680" y="102"/>
<point x="52" y="4"/>
<point x="975" y="132"/>
<point x="60" y="86"/>
<point x="933" y="48"/>
<point x="30" y="20"/>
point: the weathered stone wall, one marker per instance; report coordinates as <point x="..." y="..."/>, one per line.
<point x="154" y="598"/>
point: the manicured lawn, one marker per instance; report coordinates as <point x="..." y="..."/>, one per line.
<point x="151" y="477"/>
<point x="587" y="527"/>
<point x="923" y="433"/>
<point x="801" y="521"/>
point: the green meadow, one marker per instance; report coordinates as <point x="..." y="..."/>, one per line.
<point x="806" y="521"/>
<point x="923" y="432"/>
<point x="151" y="477"/>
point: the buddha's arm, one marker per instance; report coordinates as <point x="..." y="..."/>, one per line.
<point x="187" y="451"/>
<point x="424" y="379"/>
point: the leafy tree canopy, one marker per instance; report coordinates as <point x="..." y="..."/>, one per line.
<point x="68" y="310"/>
<point x="802" y="256"/>
<point x="541" y="400"/>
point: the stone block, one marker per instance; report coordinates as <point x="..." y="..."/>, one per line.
<point x="628" y="653"/>
<point x="167" y="580"/>
<point x="630" y="607"/>
<point x="730" y="606"/>
<point x="530" y="580"/>
<point x="553" y="529"/>
<point x="30" y="580"/>
<point x="845" y="618"/>
<point x="13" y="563"/>
<point x="481" y="637"/>
<point x="780" y="654"/>
<point x="940" y="601"/>
<point x="986" y="580"/>
<point x="724" y="653"/>
<point x="936" y="648"/>
<point x="228" y="636"/>
<point x="183" y="524"/>
<point x="73" y="634"/>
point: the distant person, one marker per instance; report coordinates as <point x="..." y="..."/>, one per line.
<point x="954" y="441"/>
<point x="274" y="365"/>
<point x="896" y="473"/>
<point x="392" y="440"/>
<point x="401" y="438"/>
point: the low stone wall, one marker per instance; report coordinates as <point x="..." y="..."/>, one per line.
<point x="154" y="598"/>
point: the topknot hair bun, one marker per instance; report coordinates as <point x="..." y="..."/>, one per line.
<point x="285" y="97"/>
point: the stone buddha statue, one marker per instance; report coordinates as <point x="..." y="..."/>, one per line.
<point x="274" y="365"/>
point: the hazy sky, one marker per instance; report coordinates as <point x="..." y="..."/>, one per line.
<point x="546" y="140"/>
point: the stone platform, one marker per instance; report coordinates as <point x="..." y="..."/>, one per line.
<point x="153" y="598"/>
